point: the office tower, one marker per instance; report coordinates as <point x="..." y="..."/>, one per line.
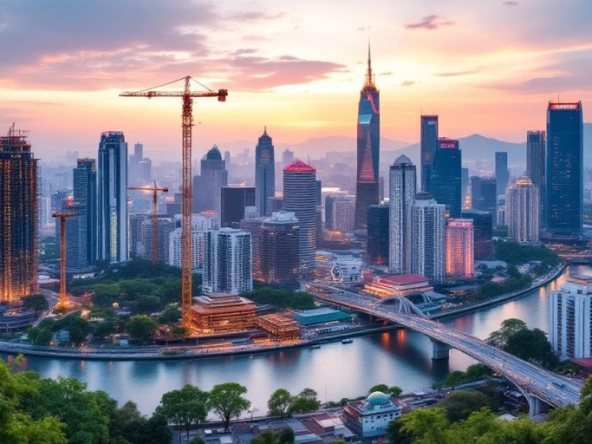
<point x="18" y="217"/>
<point x="278" y="250"/>
<point x="460" y="248"/>
<point x="570" y="329"/>
<point x="464" y="185"/>
<point x="564" y="169"/>
<point x="139" y="167"/>
<point x="112" y="198"/>
<point x="484" y="194"/>
<point x="535" y="167"/>
<point x="343" y="213"/>
<point x="300" y="197"/>
<point x="428" y="236"/>
<point x="264" y="173"/>
<point x="329" y="199"/>
<point x="445" y="183"/>
<point x="207" y="186"/>
<point x="402" y="190"/>
<point x="165" y="227"/>
<point x="85" y="197"/>
<point x="227" y="262"/>
<point x="483" y="229"/>
<point x="502" y="174"/>
<point x="136" y="236"/>
<point x="200" y="223"/>
<point x="368" y="149"/>
<point x="428" y="146"/>
<point x="287" y="157"/>
<point x="227" y="159"/>
<point x="253" y="226"/>
<point x="522" y="210"/>
<point x="318" y="193"/>
<point x="377" y="249"/>
<point x="233" y="202"/>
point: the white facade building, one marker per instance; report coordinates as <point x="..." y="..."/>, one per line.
<point x="370" y="417"/>
<point x="460" y="239"/>
<point x="522" y="210"/>
<point x="570" y="327"/>
<point x="402" y="187"/>
<point x="344" y="210"/>
<point x="227" y="262"/>
<point x="428" y="238"/>
<point x="197" y="252"/>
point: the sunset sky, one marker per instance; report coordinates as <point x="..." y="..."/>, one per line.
<point x="487" y="67"/>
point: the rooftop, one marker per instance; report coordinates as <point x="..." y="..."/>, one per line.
<point x="299" y="166"/>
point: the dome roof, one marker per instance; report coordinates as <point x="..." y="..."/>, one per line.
<point x="214" y="154"/>
<point x="378" y="398"/>
<point x="402" y="160"/>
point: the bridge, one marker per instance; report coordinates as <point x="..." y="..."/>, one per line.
<point x="540" y="387"/>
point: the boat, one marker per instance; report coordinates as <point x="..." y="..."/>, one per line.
<point x="347" y="341"/>
<point x="315" y="346"/>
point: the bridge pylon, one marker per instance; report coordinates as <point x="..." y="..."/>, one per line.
<point x="440" y="351"/>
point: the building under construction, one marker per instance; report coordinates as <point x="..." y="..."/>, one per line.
<point x="18" y="217"/>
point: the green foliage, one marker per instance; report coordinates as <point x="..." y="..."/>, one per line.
<point x="197" y="440"/>
<point x="284" y="436"/>
<point x="461" y="403"/>
<point x="141" y="327"/>
<point x="227" y="401"/>
<point x="186" y="407"/>
<point x="279" y="402"/>
<point x="378" y="388"/>
<point x="305" y="402"/>
<point x="36" y="303"/>
<point x="78" y="327"/>
<point x="500" y="338"/>
<point x="170" y="315"/>
<point x="515" y="253"/>
<point x="427" y="426"/>
<point x="282" y="298"/>
<point x="514" y="283"/>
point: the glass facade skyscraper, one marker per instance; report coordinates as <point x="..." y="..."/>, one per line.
<point x="445" y="183"/>
<point x="428" y="145"/>
<point x="82" y="239"/>
<point x="378" y="235"/>
<point x="264" y="174"/>
<point x="564" y="169"/>
<point x="502" y="174"/>
<point x="368" y="149"/>
<point x="535" y="167"/>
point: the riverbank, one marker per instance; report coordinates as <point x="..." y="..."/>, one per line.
<point x="181" y="352"/>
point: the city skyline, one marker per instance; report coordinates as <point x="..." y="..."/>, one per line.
<point x="64" y="77"/>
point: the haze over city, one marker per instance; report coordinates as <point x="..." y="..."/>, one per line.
<point x="486" y="67"/>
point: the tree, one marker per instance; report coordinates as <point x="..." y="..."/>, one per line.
<point x="379" y="388"/>
<point x="36" y="303"/>
<point x="141" y="327"/>
<point x="278" y="403"/>
<point x="170" y="315"/>
<point x="227" y="401"/>
<point x="395" y="391"/>
<point x="532" y="345"/>
<point x="186" y="407"/>
<point x="460" y="404"/>
<point x="306" y="401"/>
<point x="286" y="436"/>
<point x="426" y="426"/>
<point x="509" y="327"/>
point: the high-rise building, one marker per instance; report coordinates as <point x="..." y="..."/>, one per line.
<point x="464" y="184"/>
<point x="570" y="329"/>
<point x="164" y="228"/>
<point x="200" y="223"/>
<point x="484" y="194"/>
<point x="445" y="183"/>
<point x="300" y="197"/>
<point x="287" y="157"/>
<point x="227" y="262"/>
<point x="278" y="250"/>
<point x="112" y="198"/>
<point x="564" y="169"/>
<point x="428" y="238"/>
<point x="18" y="217"/>
<point x="208" y="185"/>
<point x="428" y="146"/>
<point x="402" y="190"/>
<point x="460" y="263"/>
<point x="253" y="226"/>
<point x="483" y="229"/>
<point x="522" y="210"/>
<point x="342" y="214"/>
<point x="368" y="149"/>
<point x="234" y="201"/>
<point x="139" y="167"/>
<point x="264" y="173"/>
<point x="378" y="235"/>
<point x="502" y="174"/>
<point x="83" y="248"/>
<point x="535" y="167"/>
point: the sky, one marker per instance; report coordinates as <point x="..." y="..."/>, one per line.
<point x="296" y="67"/>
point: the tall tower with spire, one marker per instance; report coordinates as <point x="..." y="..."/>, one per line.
<point x="264" y="174"/>
<point x="368" y="148"/>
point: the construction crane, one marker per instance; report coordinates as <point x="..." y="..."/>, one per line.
<point x="155" y="191"/>
<point x="187" y="123"/>
<point x="63" y="216"/>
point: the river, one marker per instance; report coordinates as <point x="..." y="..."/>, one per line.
<point x="336" y="370"/>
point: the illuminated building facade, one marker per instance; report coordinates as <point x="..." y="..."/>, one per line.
<point x="460" y="262"/>
<point x="535" y="166"/>
<point x="445" y="183"/>
<point x="402" y="190"/>
<point x="300" y="197"/>
<point x="112" y="198"/>
<point x="428" y="238"/>
<point x="264" y="173"/>
<point x="428" y="146"/>
<point x="227" y="262"/>
<point x="281" y="328"/>
<point x="368" y="149"/>
<point x="222" y="313"/>
<point x="565" y="169"/>
<point x="377" y="246"/>
<point x="522" y="210"/>
<point x="18" y="217"/>
<point x="387" y="286"/>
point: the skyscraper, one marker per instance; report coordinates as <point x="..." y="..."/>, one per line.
<point x="428" y="145"/>
<point x="483" y="229"/>
<point x="227" y="262"/>
<point x="565" y="169"/>
<point x="112" y="198"/>
<point x="502" y="174"/>
<point x="402" y="190"/>
<point x="233" y="201"/>
<point x="368" y="149"/>
<point x="428" y="238"/>
<point x="264" y="173"/>
<point x="460" y="236"/>
<point x="81" y="231"/>
<point x="522" y="210"/>
<point x="378" y="235"/>
<point x="445" y="183"/>
<point x="535" y="167"/>
<point x="207" y="186"/>
<point x="18" y="217"/>
<point x="300" y="197"/>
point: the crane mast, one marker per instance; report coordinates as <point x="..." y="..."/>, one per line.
<point x="62" y="216"/>
<point x="154" y="190"/>
<point x="187" y="123"/>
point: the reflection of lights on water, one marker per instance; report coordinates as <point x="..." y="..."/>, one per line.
<point x="402" y="334"/>
<point x="385" y="339"/>
<point x="82" y="364"/>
